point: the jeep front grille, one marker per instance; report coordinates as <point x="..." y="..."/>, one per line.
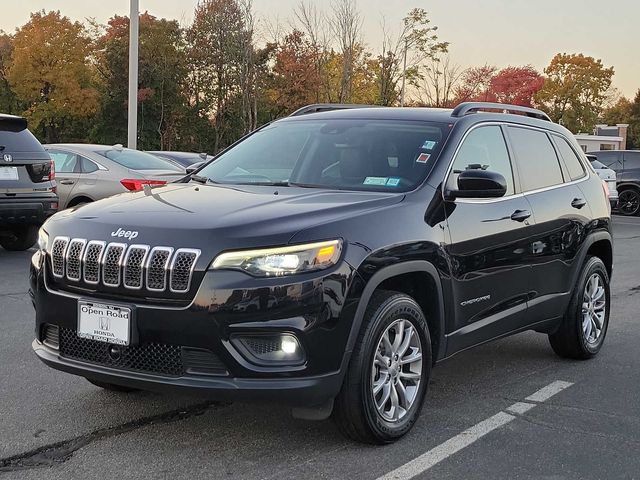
<point x="135" y="267"/>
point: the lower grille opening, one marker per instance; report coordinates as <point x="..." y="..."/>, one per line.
<point x="51" y="336"/>
<point x="154" y="358"/>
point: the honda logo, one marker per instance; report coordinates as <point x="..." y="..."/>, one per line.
<point x="105" y="323"/>
<point x="8" y="157"/>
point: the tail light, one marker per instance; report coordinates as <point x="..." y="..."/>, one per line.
<point x="605" y="190"/>
<point x="52" y="171"/>
<point x="135" y="184"/>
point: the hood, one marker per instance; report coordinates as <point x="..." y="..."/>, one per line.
<point x="220" y="217"/>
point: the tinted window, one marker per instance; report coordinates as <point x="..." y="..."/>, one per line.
<point x="537" y="161"/>
<point x="483" y="148"/>
<point x="136" y="160"/>
<point x="88" y="166"/>
<point x="336" y="153"/>
<point x="65" y="162"/>
<point x="631" y="160"/>
<point x="571" y="160"/>
<point x="22" y="141"/>
<point x="597" y="165"/>
<point x="612" y="160"/>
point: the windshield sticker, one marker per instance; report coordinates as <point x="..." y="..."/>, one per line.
<point x="393" y="182"/>
<point x="375" y="181"/>
<point x="422" y="158"/>
<point x="428" y="145"/>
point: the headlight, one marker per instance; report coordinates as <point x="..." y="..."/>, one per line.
<point x="43" y="239"/>
<point x="271" y="262"/>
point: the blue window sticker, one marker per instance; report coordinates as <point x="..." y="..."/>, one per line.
<point x="393" y="182"/>
<point x="375" y="181"/>
<point x="428" y="145"/>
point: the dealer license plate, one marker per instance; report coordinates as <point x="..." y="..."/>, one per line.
<point x="104" y="323"/>
<point x="8" y="173"/>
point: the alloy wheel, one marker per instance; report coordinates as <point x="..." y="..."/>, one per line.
<point x="629" y="202"/>
<point x="594" y="302"/>
<point x="396" y="370"/>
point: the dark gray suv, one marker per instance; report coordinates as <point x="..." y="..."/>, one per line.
<point x="27" y="184"/>
<point x="626" y="164"/>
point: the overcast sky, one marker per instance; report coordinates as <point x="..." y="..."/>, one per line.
<point x="497" y="32"/>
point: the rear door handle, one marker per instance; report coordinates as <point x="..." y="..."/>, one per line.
<point x="578" y="203"/>
<point x="520" y="215"/>
<point x="67" y="182"/>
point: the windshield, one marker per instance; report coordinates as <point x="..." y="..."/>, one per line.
<point x="136" y="160"/>
<point x="343" y="154"/>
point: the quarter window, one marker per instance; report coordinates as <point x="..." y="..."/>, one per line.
<point x="88" y="166"/>
<point x="484" y="148"/>
<point x="537" y="160"/>
<point x="571" y="160"/>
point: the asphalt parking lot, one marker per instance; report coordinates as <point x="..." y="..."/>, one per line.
<point x="510" y="409"/>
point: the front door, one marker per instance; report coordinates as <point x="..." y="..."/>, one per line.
<point x="489" y="246"/>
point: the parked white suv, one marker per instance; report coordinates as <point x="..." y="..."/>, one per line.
<point x="608" y="176"/>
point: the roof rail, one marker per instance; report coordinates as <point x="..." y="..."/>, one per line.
<point x="466" y="108"/>
<point x="327" y="107"/>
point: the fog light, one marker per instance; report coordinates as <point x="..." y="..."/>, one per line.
<point x="270" y="349"/>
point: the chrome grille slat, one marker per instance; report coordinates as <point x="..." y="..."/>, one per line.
<point x="157" y="266"/>
<point x="182" y="265"/>
<point x="112" y="263"/>
<point x="58" y="252"/>
<point x="115" y="265"/>
<point x="133" y="270"/>
<point x="91" y="261"/>
<point x="73" y="258"/>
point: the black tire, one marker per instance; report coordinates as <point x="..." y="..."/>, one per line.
<point x="355" y="411"/>
<point x="21" y="238"/>
<point x="570" y="341"/>
<point x="629" y="202"/>
<point x="112" y="386"/>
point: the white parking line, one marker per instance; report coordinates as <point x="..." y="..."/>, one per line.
<point x="437" y="454"/>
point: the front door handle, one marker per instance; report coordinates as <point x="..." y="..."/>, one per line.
<point x="578" y="203"/>
<point x="67" y="182"/>
<point x="520" y="215"/>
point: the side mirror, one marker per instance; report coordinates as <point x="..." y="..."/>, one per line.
<point x="476" y="183"/>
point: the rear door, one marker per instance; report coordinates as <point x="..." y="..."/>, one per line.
<point x="631" y="171"/>
<point x="561" y="213"/>
<point x="24" y="165"/>
<point x="68" y="173"/>
<point x="489" y="246"/>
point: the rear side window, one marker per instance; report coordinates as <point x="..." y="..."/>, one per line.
<point x="537" y="161"/>
<point x="65" y="162"/>
<point x="631" y="160"/>
<point x="22" y="141"/>
<point x="571" y="160"/>
<point x="484" y="148"/>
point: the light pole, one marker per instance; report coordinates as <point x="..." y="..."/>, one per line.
<point x="132" y="128"/>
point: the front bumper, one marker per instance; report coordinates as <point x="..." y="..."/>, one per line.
<point x="30" y="210"/>
<point x="301" y="391"/>
<point x="226" y="304"/>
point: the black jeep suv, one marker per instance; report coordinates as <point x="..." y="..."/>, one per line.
<point x="328" y="260"/>
<point x="27" y="185"/>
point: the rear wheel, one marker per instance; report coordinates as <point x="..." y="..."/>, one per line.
<point x="585" y="323"/>
<point x="111" y="386"/>
<point x="629" y="202"/>
<point x="20" y="238"/>
<point x="386" y="382"/>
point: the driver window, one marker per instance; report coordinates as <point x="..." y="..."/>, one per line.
<point x="484" y="148"/>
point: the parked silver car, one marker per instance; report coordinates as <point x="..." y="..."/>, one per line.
<point x="86" y="173"/>
<point x="608" y="176"/>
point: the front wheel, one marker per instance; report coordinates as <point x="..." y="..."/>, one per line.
<point x="385" y="385"/>
<point x="585" y="324"/>
<point x="21" y="237"/>
<point x="629" y="202"/>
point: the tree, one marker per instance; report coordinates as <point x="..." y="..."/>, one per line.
<point x="633" y="134"/>
<point x="438" y="83"/>
<point x="346" y="25"/>
<point x="51" y="75"/>
<point x="575" y="90"/>
<point x="619" y="112"/>
<point x="475" y="83"/>
<point x="7" y="97"/>
<point x="515" y="85"/>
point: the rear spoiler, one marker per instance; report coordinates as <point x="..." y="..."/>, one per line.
<point x="12" y="123"/>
